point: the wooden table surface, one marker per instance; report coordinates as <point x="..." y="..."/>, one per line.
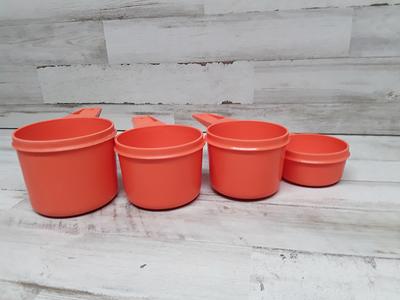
<point x="339" y="242"/>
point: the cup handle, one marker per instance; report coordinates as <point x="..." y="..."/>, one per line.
<point x="145" y="121"/>
<point x="89" y="112"/>
<point x="209" y="119"/>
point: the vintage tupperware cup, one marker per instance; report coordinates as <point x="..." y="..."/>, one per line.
<point x="68" y="163"/>
<point x="315" y="160"/>
<point x="245" y="157"/>
<point x="161" y="164"/>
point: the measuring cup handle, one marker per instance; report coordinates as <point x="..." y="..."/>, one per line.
<point x="209" y="119"/>
<point x="145" y="121"/>
<point x="89" y="112"/>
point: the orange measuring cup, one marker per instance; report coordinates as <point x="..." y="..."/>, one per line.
<point x="69" y="163"/>
<point x="160" y="163"/>
<point x="245" y="157"/>
<point x="315" y="160"/>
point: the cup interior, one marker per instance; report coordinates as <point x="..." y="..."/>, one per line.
<point x="60" y="129"/>
<point x="159" y="136"/>
<point x="315" y="144"/>
<point x="247" y="130"/>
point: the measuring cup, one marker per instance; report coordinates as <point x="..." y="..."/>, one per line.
<point x="69" y="163"/>
<point x="245" y="157"/>
<point x="315" y="160"/>
<point x="160" y="163"/>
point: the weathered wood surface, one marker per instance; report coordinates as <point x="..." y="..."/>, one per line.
<point x="242" y="6"/>
<point x="53" y="43"/>
<point x="125" y="266"/>
<point x="269" y="223"/>
<point x="276" y="274"/>
<point x="334" y="118"/>
<point x="376" y="31"/>
<point x="328" y="80"/>
<point x="35" y="11"/>
<point x="293" y="275"/>
<point x="19" y="84"/>
<point x="258" y="36"/>
<point x="294" y="81"/>
<point x="170" y="31"/>
<point x="139" y="83"/>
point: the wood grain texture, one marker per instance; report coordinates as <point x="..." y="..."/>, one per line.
<point x="17" y="291"/>
<point x="293" y="275"/>
<point x="12" y="290"/>
<point x="53" y="43"/>
<point x="36" y="11"/>
<point x="258" y="36"/>
<point x="165" y="83"/>
<point x="332" y="118"/>
<point x="273" y="274"/>
<point x="241" y="6"/>
<point x="362" y="232"/>
<point x="376" y="31"/>
<point x="19" y="84"/>
<point x="328" y="80"/>
<point x="123" y="266"/>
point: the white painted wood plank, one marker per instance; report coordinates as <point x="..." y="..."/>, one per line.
<point x="351" y="195"/>
<point x="281" y="274"/>
<point x="331" y="118"/>
<point x="34" y="11"/>
<point x="273" y="274"/>
<point x="19" y="84"/>
<point x="30" y="291"/>
<point x="123" y="266"/>
<point x="10" y="198"/>
<point x="241" y="6"/>
<point x="139" y="83"/>
<point x="369" y="170"/>
<point x="53" y="43"/>
<point x="382" y="148"/>
<point x="15" y="291"/>
<point x="328" y="80"/>
<point x="273" y="223"/>
<point x="63" y="294"/>
<point x="258" y="36"/>
<point x="24" y="11"/>
<point x="376" y="31"/>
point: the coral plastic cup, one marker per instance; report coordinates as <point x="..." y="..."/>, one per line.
<point x="161" y="164"/>
<point x="315" y="160"/>
<point x="245" y="157"/>
<point x="68" y="163"/>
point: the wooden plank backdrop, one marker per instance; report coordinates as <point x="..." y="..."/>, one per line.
<point x="19" y="84"/>
<point x="31" y="11"/>
<point x="257" y="36"/>
<point x="376" y="31"/>
<point x="141" y="83"/>
<point x="328" y="80"/>
<point x="53" y="43"/>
